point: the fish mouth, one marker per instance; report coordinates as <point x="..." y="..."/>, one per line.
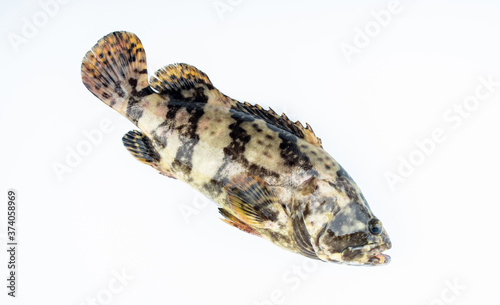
<point x="370" y="254"/>
<point x="379" y="259"/>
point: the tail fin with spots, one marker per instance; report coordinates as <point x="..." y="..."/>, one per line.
<point x="115" y="69"/>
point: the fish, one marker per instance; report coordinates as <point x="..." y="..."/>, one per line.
<point x="268" y="176"/>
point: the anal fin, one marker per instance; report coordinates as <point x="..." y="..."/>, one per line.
<point x="141" y="147"/>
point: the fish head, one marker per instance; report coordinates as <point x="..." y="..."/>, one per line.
<point x="342" y="227"/>
<point x="354" y="241"/>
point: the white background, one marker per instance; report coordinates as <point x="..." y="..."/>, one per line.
<point x="110" y="214"/>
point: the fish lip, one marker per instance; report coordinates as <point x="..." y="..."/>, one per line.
<point x="379" y="259"/>
<point x="374" y="254"/>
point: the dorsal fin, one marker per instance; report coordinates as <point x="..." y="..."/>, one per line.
<point x="187" y="83"/>
<point x="282" y="122"/>
<point x="180" y="80"/>
<point x="176" y="77"/>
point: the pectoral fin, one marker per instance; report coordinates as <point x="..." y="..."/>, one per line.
<point x="235" y="222"/>
<point x="252" y="201"/>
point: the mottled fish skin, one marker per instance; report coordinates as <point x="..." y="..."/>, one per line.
<point x="271" y="177"/>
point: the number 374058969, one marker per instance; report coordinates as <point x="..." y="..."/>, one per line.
<point x="11" y="216"/>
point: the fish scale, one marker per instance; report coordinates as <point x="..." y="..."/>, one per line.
<point x="270" y="176"/>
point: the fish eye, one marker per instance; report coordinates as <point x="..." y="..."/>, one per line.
<point x="375" y="226"/>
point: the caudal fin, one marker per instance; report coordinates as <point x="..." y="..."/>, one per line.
<point x="115" y="68"/>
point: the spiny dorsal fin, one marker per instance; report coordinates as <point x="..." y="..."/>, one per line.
<point x="183" y="78"/>
<point x="176" y="77"/>
<point x="252" y="201"/>
<point x="236" y="222"/>
<point x="282" y="122"/>
<point x="141" y="147"/>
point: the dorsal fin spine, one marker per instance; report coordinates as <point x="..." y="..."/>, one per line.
<point x="281" y="121"/>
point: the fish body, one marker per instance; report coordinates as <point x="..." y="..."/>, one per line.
<point x="269" y="176"/>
